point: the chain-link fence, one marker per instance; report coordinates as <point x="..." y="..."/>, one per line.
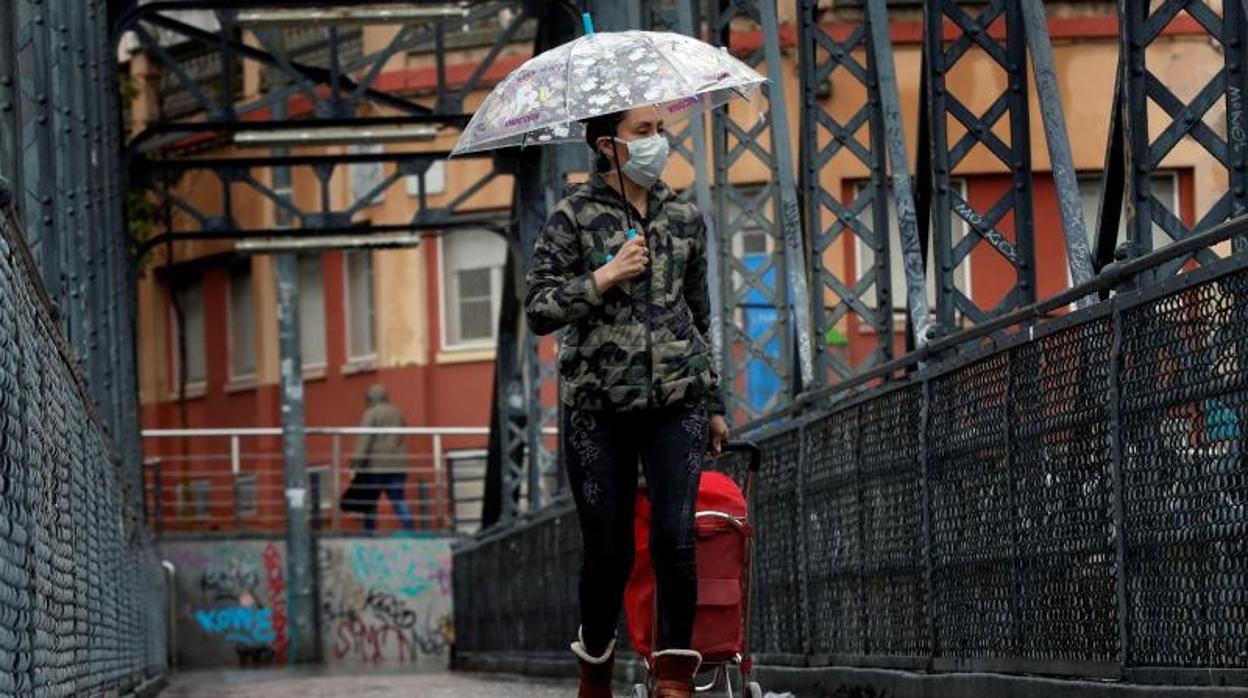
<point x="1070" y="502"/>
<point x="81" y="591"/>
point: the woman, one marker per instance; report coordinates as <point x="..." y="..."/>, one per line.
<point x="622" y="264"/>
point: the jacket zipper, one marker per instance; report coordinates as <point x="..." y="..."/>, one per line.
<point x="643" y="224"/>
<point x="650" y="392"/>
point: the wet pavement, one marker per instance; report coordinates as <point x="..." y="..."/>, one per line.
<point x="378" y="684"/>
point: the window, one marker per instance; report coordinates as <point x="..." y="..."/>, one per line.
<point x="242" y="323"/>
<point x="246" y="498"/>
<point x="1165" y="187"/>
<point x="435" y="180"/>
<point x="864" y="257"/>
<point x="466" y="470"/>
<point x="366" y="177"/>
<point x="201" y="498"/>
<point x="189" y="298"/>
<point x="472" y="286"/>
<point x="361" y="331"/>
<point x="312" y="310"/>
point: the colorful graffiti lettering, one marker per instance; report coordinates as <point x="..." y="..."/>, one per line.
<point x="374" y="643"/>
<point x="241" y="625"/>
<point x="275" y="578"/>
<point x="405" y="568"/>
<point x="391" y="609"/>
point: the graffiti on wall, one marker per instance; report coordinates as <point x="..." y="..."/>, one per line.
<point x="242" y="625"/>
<point x="386" y="601"/>
<point x="275" y="580"/>
<point x="382" y="602"/>
<point x="232" y="602"/>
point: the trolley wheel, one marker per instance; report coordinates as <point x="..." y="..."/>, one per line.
<point x="640" y="691"/>
<point x="755" y="690"/>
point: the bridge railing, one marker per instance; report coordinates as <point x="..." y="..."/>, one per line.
<point x="1059" y="493"/>
<point x="215" y="481"/>
<point x="78" y="573"/>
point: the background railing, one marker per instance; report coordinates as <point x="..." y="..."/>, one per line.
<point x="1065" y="495"/>
<point x="212" y="481"/>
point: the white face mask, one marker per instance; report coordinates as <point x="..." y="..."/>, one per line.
<point x="647" y="158"/>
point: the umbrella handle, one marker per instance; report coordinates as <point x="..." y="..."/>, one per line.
<point x="588" y="23"/>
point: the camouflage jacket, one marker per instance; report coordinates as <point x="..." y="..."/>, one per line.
<point x="643" y="343"/>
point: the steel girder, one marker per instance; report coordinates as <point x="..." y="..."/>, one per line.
<point x="344" y="90"/>
<point x="767" y="344"/>
<point x="526" y="386"/>
<point x="1141" y="155"/>
<point x="984" y="221"/>
<point x="58" y="115"/>
<point x="329" y="96"/>
<point x="848" y="298"/>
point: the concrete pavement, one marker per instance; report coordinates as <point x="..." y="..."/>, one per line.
<point x="378" y="684"/>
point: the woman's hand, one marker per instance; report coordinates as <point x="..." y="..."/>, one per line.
<point x="629" y="263"/>
<point x="719" y="435"/>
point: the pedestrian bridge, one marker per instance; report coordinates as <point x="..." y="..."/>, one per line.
<point x="1026" y="481"/>
<point x="1058" y="507"/>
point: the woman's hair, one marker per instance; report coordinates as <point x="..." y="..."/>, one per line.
<point x="605" y="126"/>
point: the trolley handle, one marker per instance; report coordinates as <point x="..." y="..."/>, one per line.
<point x="756" y="453"/>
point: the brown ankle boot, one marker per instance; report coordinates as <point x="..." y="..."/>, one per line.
<point x="597" y="673"/>
<point x="674" y="671"/>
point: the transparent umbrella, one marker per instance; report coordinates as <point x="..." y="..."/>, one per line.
<point x="544" y="100"/>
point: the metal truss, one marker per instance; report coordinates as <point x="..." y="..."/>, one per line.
<point x="776" y="297"/>
<point x="341" y="91"/>
<point x="519" y="455"/>
<point x="983" y="223"/>
<point x="846" y="298"/>
<point x="1137" y="156"/>
<point x="326" y="92"/>
<point x="58" y="106"/>
<point x="767" y="353"/>
<point x="324" y="218"/>
<point x="309" y="97"/>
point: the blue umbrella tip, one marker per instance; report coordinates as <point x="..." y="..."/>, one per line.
<point x="610" y="257"/>
<point x="588" y="22"/>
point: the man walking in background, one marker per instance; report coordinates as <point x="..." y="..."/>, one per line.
<point x="380" y="460"/>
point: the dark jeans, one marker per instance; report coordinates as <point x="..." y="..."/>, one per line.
<point x="601" y="452"/>
<point x="392" y="485"/>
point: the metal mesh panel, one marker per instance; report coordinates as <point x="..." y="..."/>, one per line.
<point x="971" y="519"/>
<point x="75" y="568"/>
<point x="973" y="528"/>
<point x="891" y="492"/>
<point x="834" y="534"/>
<point x="1063" y="484"/>
<point x="519" y="592"/>
<point x="777" y="610"/>
<point x="1185" y="483"/>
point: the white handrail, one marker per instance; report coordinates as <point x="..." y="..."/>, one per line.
<point x="326" y="431"/>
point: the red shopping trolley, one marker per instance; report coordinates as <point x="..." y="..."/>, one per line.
<point x="725" y="549"/>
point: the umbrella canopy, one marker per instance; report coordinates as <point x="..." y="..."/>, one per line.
<point x="544" y="100"/>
